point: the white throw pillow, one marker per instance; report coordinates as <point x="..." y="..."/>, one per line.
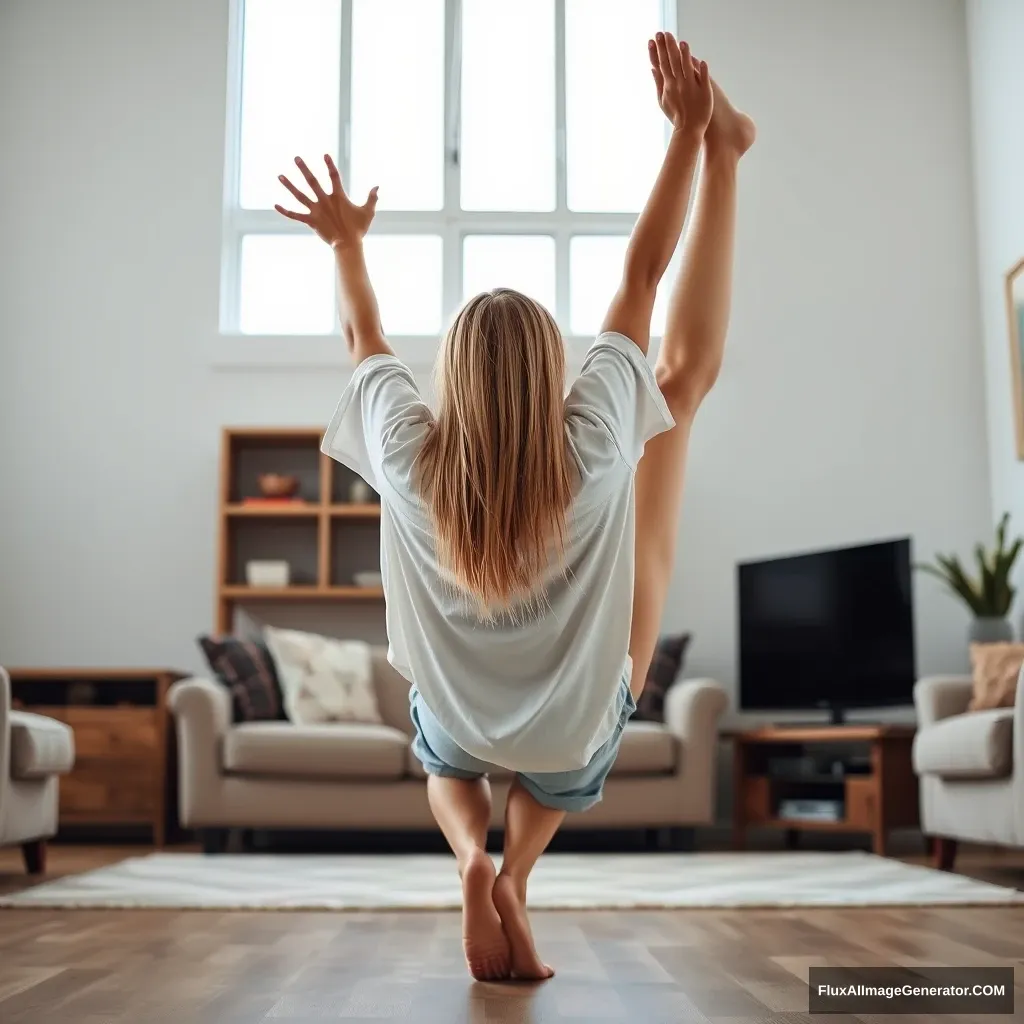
<point x="322" y="679"/>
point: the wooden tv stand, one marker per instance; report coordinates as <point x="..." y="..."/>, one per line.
<point x="883" y="796"/>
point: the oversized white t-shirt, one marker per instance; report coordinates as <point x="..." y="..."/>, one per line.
<point x="537" y="692"/>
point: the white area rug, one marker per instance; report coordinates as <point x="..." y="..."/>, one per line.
<point x="561" y="881"/>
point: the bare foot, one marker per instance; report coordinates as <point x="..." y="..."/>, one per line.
<point x="729" y="128"/>
<point x="510" y="900"/>
<point x="487" y="949"/>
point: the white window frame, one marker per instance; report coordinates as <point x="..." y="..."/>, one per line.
<point x="451" y="223"/>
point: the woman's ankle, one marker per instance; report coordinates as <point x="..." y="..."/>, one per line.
<point x="517" y="877"/>
<point x="472" y="856"/>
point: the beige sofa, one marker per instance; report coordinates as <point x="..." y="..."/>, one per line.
<point x="34" y="752"/>
<point x="971" y="767"/>
<point x="275" y="775"/>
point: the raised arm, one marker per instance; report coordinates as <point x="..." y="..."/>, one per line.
<point x="685" y="97"/>
<point x="342" y="225"/>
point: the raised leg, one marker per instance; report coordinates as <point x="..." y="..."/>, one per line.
<point x="529" y="827"/>
<point x="945" y="853"/>
<point x="687" y="366"/>
<point x="34" y="855"/>
<point x="462" y="809"/>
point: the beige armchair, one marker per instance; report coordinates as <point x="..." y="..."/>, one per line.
<point x="276" y="775"/>
<point x="971" y="767"/>
<point x="34" y="752"/>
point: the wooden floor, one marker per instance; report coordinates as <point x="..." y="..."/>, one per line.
<point x="730" y="967"/>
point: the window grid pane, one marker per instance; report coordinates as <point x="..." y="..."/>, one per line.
<point x="406" y="274"/>
<point x="286" y="285"/>
<point x="507" y="144"/>
<point x="523" y="262"/>
<point x="615" y="133"/>
<point x="290" y="91"/>
<point x="397" y="133"/>
<point x="282" y="287"/>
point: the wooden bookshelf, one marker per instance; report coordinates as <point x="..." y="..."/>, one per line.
<point x="325" y="537"/>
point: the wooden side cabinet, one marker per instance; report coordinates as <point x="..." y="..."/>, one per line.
<point x="870" y="777"/>
<point x="124" y="743"/>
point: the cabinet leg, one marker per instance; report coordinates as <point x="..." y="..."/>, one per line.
<point x="945" y="853"/>
<point x="739" y="837"/>
<point x="34" y="855"/>
<point x="878" y="842"/>
<point x="792" y="838"/>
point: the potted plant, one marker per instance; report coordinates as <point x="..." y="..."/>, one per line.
<point x="990" y="595"/>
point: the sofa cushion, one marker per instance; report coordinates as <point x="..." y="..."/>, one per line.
<point x="40" y="746"/>
<point x="323" y="679"/>
<point x="646" y="749"/>
<point x="666" y="664"/>
<point x="995" y="668"/>
<point x="978" y="745"/>
<point x="246" y="668"/>
<point x="335" y="750"/>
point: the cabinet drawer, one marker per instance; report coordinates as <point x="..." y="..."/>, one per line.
<point x="109" y="790"/>
<point x="861" y="803"/>
<point x="756" y="800"/>
<point x="110" y="732"/>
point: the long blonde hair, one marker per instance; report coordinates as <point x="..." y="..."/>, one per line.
<point x="495" y="470"/>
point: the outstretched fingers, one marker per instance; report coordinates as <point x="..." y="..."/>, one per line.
<point x="678" y="70"/>
<point x="301" y="196"/>
<point x="685" y="60"/>
<point x="664" y="63"/>
<point x="310" y="178"/>
<point x="302" y="218"/>
<point x="333" y="174"/>
<point x="652" y="52"/>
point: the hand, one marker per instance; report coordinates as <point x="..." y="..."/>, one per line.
<point x="684" y="84"/>
<point x="333" y="216"/>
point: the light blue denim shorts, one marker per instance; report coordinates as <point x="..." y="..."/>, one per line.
<point x="576" y="790"/>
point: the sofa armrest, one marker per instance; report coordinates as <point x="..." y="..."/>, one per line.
<point x="201" y="703"/>
<point x="202" y="714"/>
<point x="693" y="708"/>
<point x="938" y="697"/>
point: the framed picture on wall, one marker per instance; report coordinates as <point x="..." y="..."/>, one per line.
<point x="1015" y="315"/>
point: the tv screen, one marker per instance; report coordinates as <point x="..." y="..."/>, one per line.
<point x="830" y="629"/>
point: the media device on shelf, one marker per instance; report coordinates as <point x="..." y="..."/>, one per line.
<point x="830" y="630"/>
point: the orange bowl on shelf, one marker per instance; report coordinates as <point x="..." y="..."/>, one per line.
<point x="275" y="485"/>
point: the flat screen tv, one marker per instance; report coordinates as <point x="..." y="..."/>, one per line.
<point x="830" y="630"/>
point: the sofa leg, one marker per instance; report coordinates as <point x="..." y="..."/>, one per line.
<point x="945" y="853"/>
<point x="215" y="840"/>
<point x="34" y="855"/>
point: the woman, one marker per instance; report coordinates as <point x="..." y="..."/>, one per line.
<point x="526" y="546"/>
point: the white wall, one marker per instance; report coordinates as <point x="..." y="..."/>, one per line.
<point x="851" y="406"/>
<point x="996" y="36"/>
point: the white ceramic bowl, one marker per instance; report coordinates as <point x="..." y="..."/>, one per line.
<point x="368" y="579"/>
